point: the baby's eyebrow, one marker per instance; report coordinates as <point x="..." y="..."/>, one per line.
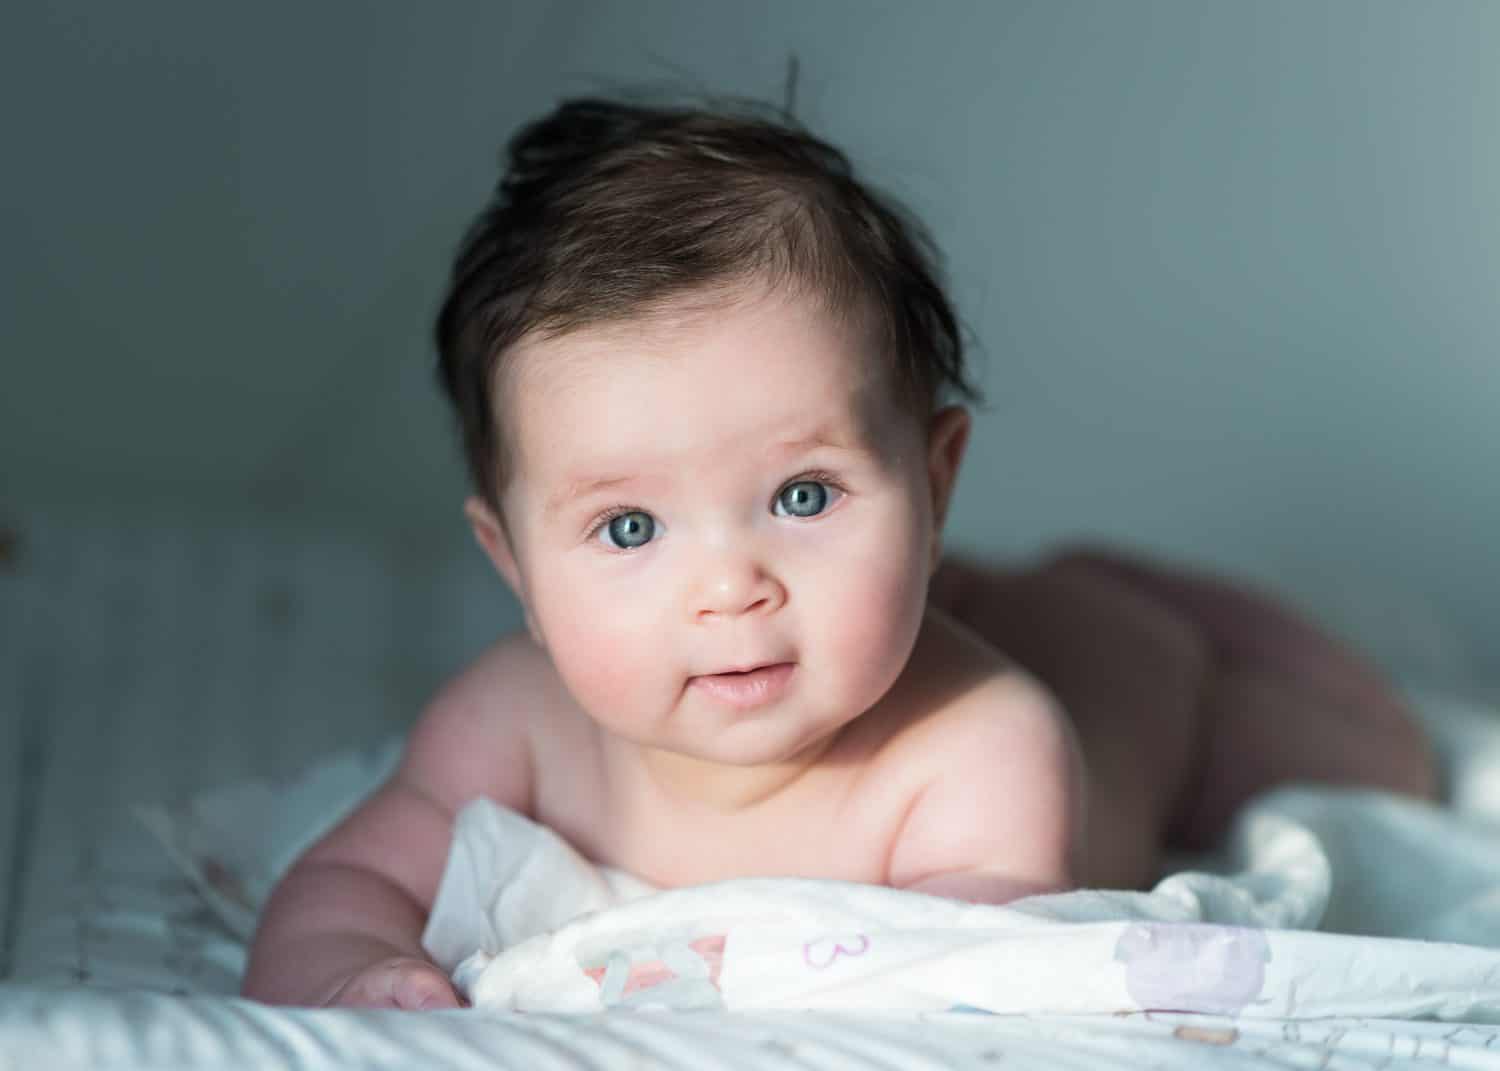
<point x="820" y="439"/>
<point x="579" y="488"/>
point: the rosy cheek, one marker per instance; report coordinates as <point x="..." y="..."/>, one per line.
<point x="602" y="651"/>
<point x="881" y="612"/>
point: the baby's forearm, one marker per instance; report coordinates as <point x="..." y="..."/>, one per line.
<point x="324" y="922"/>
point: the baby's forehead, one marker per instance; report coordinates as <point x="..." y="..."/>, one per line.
<point x="740" y="318"/>
<point x="733" y="387"/>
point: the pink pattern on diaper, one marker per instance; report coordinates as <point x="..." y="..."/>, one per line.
<point x="821" y="953"/>
<point x="645" y="975"/>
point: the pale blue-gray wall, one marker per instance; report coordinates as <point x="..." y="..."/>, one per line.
<point x="1232" y="268"/>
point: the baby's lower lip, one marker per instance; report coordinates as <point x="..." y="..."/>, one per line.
<point x="759" y="686"/>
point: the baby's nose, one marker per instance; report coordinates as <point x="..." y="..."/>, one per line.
<point x="734" y="585"/>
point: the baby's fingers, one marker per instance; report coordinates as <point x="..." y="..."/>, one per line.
<point x="424" y="990"/>
<point x="398" y="983"/>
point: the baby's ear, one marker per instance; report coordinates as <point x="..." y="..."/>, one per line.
<point x="947" y="438"/>
<point x="490" y="534"/>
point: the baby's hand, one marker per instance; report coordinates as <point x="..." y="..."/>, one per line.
<point x="399" y="982"/>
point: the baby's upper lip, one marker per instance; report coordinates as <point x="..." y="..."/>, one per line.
<point x="744" y="667"/>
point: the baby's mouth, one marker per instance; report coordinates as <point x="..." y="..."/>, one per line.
<point x="748" y="688"/>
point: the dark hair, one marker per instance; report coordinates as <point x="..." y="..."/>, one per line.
<point x="609" y="210"/>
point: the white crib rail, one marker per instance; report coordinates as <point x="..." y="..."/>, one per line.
<point x="149" y="656"/>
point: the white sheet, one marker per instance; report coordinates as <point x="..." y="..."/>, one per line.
<point x="44" y="1026"/>
<point x="83" y="1029"/>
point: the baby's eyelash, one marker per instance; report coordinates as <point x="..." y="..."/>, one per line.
<point x="598" y="523"/>
<point x="815" y="476"/>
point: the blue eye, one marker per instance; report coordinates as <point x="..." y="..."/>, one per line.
<point x="629" y="530"/>
<point x="805" y="498"/>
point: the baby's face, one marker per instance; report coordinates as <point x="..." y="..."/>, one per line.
<point x="721" y="525"/>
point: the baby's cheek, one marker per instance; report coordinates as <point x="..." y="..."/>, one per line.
<point x="609" y="669"/>
<point x="605" y="664"/>
<point x="880" y="614"/>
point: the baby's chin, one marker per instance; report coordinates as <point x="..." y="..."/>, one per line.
<point x="744" y="748"/>
<point x="699" y="738"/>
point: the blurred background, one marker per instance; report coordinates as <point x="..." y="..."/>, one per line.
<point x="1230" y="270"/>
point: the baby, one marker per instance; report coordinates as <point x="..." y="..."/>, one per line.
<point x="708" y="388"/>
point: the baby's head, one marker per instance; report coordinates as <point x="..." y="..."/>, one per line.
<point x="702" y="376"/>
<point x="610" y="213"/>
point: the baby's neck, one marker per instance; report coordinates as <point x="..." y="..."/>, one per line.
<point x="689" y="784"/>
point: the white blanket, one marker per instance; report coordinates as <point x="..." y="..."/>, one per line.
<point x="1282" y="924"/>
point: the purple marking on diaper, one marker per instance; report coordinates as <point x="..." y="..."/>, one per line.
<point x="821" y="953"/>
<point x="1193" y="967"/>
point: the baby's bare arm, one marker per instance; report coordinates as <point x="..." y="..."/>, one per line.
<point x="1000" y="815"/>
<point x="344" y="925"/>
<point x="358" y="897"/>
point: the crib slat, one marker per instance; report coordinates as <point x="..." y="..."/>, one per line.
<point x="159" y="655"/>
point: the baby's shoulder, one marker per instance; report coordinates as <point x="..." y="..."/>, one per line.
<point x="475" y="737"/>
<point x="961" y="698"/>
<point x="992" y="767"/>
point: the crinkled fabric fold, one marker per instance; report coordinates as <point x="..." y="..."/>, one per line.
<point x="523" y="922"/>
